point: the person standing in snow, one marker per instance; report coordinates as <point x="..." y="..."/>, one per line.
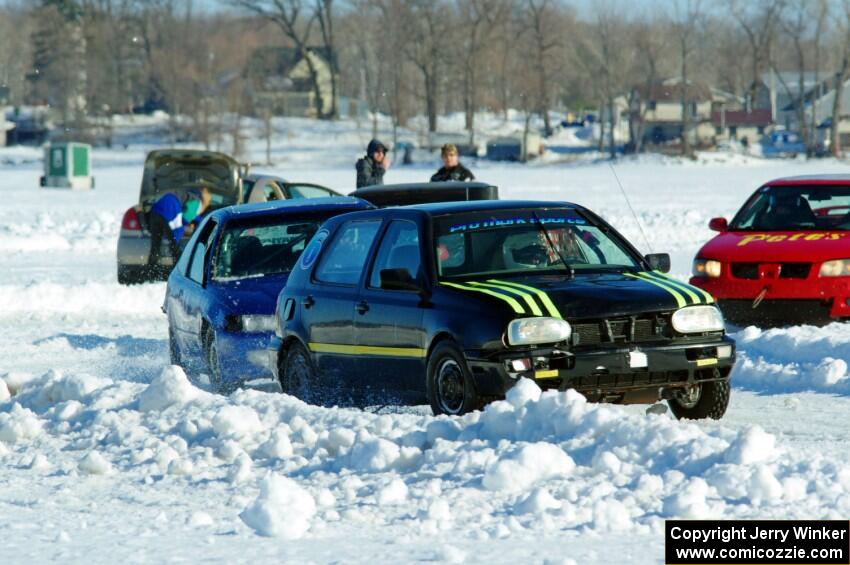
<point x="452" y="169"/>
<point x="371" y="168"/>
<point x="169" y="218"/>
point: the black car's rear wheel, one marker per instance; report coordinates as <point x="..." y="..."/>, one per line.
<point x="299" y="376"/>
<point x="705" y="400"/>
<point x="449" y="383"/>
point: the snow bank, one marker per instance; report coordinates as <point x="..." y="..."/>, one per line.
<point x="800" y="358"/>
<point x="533" y="462"/>
<point x="283" y="509"/>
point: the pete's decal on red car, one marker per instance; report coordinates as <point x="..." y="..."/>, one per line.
<point x="802" y="236"/>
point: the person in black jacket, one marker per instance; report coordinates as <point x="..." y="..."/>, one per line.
<point x="371" y="168"/>
<point x="452" y="169"/>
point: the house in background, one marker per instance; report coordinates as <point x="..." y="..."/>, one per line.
<point x="278" y="80"/>
<point x="659" y="107"/>
<point x="747" y="126"/>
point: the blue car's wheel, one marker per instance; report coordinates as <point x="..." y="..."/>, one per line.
<point x="217" y="383"/>
<point x="173" y="348"/>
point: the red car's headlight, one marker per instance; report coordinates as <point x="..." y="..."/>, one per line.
<point x="706" y="268"/>
<point x="835" y="268"/>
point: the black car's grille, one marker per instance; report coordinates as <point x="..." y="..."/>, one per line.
<point x="786" y="271"/>
<point x="633" y="329"/>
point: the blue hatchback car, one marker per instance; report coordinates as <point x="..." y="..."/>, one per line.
<point x="221" y="295"/>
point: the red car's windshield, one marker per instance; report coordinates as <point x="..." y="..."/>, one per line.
<point x="790" y="208"/>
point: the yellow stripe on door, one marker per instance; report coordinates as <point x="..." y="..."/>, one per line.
<point x="342" y="349"/>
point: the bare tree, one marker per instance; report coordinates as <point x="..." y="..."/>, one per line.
<point x="480" y="20"/>
<point x="688" y="19"/>
<point x="650" y="42"/>
<point x="428" y="31"/>
<point x="758" y="20"/>
<point x="796" y="21"/>
<point x="296" y="19"/>
<point x="841" y="76"/>
<point x="540" y="22"/>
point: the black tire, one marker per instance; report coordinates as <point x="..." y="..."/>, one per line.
<point x="299" y="377"/>
<point x="173" y="348"/>
<point x="128" y="275"/>
<point x="712" y="401"/>
<point x="217" y="382"/>
<point x="449" y="383"/>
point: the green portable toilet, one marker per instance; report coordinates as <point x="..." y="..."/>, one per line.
<point x="67" y="165"/>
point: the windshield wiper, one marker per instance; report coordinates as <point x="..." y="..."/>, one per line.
<point x="569" y="268"/>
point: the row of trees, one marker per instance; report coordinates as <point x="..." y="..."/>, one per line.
<point x="408" y="57"/>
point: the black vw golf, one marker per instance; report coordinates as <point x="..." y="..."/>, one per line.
<point x="453" y="303"/>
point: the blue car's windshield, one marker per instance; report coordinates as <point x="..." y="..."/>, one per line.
<point x="257" y="249"/>
<point x="523" y="241"/>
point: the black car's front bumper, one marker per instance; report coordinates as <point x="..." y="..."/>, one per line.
<point x="614" y="373"/>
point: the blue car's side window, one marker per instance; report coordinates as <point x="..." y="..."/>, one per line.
<point x="199" y="254"/>
<point x="345" y="258"/>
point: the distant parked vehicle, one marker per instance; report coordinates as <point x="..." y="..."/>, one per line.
<point x="511" y="148"/>
<point x="177" y="171"/>
<point x="782" y="144"/>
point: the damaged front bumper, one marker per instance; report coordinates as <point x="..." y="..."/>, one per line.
<point x="613" y="373"/>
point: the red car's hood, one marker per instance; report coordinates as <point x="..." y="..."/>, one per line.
<point x="793" y="246"/>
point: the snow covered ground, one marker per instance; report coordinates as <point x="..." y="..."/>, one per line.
<point x="109" y="455"/>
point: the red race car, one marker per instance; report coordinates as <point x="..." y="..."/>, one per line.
<point x="785" y="256"/>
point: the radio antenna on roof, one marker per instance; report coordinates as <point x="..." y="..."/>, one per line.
<point x="626" y="198"/>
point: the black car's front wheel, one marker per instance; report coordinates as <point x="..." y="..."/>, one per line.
<point x="449" y="383"/>
<point x="705" y="400"/>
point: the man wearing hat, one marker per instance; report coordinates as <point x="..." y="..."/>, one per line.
<point x="169" y="217"/>
<point x="371" y="168"/>
<point x="452" y="169"/>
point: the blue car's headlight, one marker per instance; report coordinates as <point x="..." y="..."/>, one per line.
<point x="252" y="323"/>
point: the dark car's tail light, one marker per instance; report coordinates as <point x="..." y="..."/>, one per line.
<point x="131" y="221"/>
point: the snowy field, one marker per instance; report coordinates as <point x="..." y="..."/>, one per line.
<point x="109" y="455"/>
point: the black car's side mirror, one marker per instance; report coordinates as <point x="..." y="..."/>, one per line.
<point x="399" y="279"/>
<point x="659" y="262"/>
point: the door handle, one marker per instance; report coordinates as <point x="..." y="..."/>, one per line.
<point x="308" y="301"/>
<point x="362" y="307"/>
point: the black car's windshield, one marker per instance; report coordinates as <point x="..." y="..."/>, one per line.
<point x="511" y="242"/>
<point x="789" y="208"/>
<point x="267" y="247"/>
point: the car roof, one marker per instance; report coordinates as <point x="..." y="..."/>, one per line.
<point x="300" y="205"/>
<point x="420" y="186"/>
<point x="254" y="177"/>
<point x="802" y="180"/>
<point x="483" y="205"/>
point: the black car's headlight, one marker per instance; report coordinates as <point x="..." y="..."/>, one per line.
<point x="530" y="331"/>
<point x="706" y="268"/>
<point x="835" y="268"/>
<point x="697" y="319"/>
<point x="252" y="323"/>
